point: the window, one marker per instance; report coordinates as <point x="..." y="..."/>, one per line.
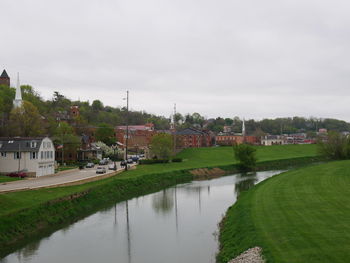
<point x="48" y="144"/>
<point x="33" y="155"/>
<point x="3" y="154"/>
<point x="42" y="155"/>
<point x="32" y="144"/>
<point x="51" y="154"/>
<point x="17" y="155"/>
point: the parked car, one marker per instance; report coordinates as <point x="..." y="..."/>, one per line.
<point x="130" y="161"/>
<point x="101" y="170"/>
<point x="135" y="159"/>
<point x="103" y="162"/>
<point x="90" y="165"/>
<point x="20" y="174"/>
<point x="112" y="166"/>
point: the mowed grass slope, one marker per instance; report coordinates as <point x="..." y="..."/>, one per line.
<point x="298" y="216"/>
<point x="193" y="158"/>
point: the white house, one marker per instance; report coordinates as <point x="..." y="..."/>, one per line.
<point x="269" y="140"/>
<point x="35" y="156"/>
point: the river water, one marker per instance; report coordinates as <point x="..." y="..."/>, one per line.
<point x="178" y="224"/>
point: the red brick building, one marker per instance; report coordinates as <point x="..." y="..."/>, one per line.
<point x="139" y="136"/>
<point x="192" y="138"/>
<point x="5" y="79"/>
<point x="236" y="139"/>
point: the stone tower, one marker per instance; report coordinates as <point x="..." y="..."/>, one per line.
<point x="17" y="102"/>
<point x="4" y="79"/>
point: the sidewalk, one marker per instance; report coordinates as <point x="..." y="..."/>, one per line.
<point x="67" y="178"/>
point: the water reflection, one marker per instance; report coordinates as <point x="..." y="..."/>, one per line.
<point x="244" y="182"/>
<point x="137" y="231"/>
<point x="163" y="202"/>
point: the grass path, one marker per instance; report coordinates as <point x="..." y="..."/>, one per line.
<point x="298" y="216"/>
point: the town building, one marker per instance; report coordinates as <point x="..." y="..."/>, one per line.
<point x="35" y="156"/>
<point x="4" y="78"/>
<point x="139" y="136"/>
<point x="232" y="139"/>
<point x="269" y="140"/>
<point x="192" y="138"/>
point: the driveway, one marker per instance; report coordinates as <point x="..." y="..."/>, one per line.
<point x="68" y="177"/>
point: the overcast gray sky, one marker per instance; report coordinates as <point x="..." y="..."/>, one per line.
<point x="252" y="59"/>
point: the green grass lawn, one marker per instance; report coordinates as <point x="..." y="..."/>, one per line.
<point x="299" y="216"/>
<point x="193" y="158"/>
<point x="4" y="179"/>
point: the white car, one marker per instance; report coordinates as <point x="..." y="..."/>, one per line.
<point x="101" y="170"/>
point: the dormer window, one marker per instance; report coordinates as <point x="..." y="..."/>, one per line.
<point x="32" y="144"/>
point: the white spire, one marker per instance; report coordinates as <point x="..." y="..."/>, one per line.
<point x="17" y="102"/>
<point x="243" y="127"/>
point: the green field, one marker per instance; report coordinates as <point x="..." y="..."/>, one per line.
<point x="193" y="158"/>
<point x="4" y="179"/>
<point x="299" y="216"/>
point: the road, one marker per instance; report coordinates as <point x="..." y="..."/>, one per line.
<point x="55" y="180"/>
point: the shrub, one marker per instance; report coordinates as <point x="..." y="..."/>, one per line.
<point x="245" y="154"/>
<point x="336" y="146"/>
<point x="153" y="161"/>
<point x="176" y="160"/>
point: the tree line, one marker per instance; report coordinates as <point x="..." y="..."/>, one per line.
<point x="41" y="118"/>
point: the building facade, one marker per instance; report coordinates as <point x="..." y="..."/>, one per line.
<point x="228" y="140"/>
<point x="4" y="79"/>
<point x="35" y="156"/>
<point x="269" y="140"/>
<point x="192" y="138"/>
<point x="139" y="136"/>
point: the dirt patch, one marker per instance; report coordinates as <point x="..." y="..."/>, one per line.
<point x="206" y="173"/>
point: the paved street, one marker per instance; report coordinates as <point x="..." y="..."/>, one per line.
<point x="54" y="180"/>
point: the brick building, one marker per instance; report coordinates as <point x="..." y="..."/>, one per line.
<point x="4" y="78"/>
<point x="192" y="138"/>
<point x="140" y="136"/>
<point x="228" y="140"/>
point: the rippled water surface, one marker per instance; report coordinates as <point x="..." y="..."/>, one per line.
<point x="178" y="224"/>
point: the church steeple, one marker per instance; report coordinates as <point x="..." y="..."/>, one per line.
<point x="243" y="128"/>
<point x="17" y="102"/>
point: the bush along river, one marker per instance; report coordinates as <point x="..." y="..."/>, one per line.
<point x="177" y="224"/>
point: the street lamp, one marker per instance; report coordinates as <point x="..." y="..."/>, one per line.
<point x="127" y="130"/>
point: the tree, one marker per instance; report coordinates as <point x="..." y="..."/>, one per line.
<point x="97" y="105"/>
<point x="64" y="135"/>
<point x="162" y="145"/>
<point x="105" y="133"/>
<point x="25" y="121"/>
<point x="336" y="146"/>
<point x="245" y="154"/>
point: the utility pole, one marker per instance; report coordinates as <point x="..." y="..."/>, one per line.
<point x="174" y="137"/>
<point x="19" y="155"/>
<point x="127" y="130"/>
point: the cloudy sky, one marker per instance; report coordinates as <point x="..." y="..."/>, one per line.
<point x="246" y="58"/>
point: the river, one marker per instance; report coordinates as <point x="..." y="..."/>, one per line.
<point x="177" y="224"/>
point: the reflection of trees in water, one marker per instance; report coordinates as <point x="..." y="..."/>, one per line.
<point x="244" y="182"/>
<point x="28" y="251"/>
<point x="163" y="202"/>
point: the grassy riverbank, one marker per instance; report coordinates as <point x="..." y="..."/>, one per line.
<point x="298" y="216"/>
<point x="22" y="214"/>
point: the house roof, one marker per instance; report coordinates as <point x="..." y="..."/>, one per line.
<point x="4" y="75"/>
<point x="189" y="131"/>
<point x="20" y="144"/>
<point x="135" y="127"/>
